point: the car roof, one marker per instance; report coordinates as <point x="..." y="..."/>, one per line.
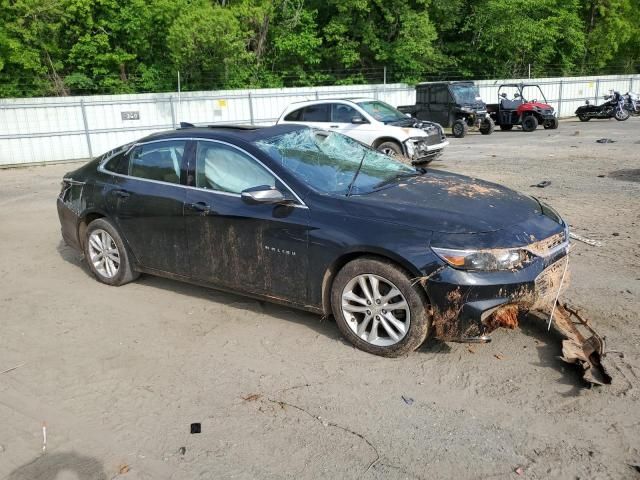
<point x="453" y="82"/>
<point x="304" y="103"/>
<point x="247" y="133"/>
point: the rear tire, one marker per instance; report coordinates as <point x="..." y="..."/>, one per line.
<point x="459" y="128"/>
<point x="506" y="128"/>
<point x="106" y="255"/>
<point x="529" y="123"/>
<point x="584" y="118"/>
<point x="373" y="318"/>
<point x="487" y="127"/>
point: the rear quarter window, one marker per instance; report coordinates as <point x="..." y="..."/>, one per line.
<point x="118" y="164"/>
<point x="294" y="116"/>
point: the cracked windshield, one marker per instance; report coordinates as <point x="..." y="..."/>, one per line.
<point x="334" y="163"/>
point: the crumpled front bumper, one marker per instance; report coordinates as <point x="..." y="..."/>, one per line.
<point x="422" y="150"/>
<point x="471" y="304"/>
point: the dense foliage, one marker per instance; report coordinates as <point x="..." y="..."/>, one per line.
<point x="62" y="47"/>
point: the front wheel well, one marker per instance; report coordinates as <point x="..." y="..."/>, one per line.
<point x="331" y="272"/>
<point x="379" y="141"/>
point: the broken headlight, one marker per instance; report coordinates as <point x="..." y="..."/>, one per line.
<point x="488" y="260"/>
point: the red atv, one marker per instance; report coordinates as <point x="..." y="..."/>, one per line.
<point x="520" y="111"/>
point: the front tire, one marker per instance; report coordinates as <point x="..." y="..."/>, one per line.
<point x="391" y="149"/>
<point x="621" y="115"/>
<point x="106" y="254"/>
<point x="487" y="127"/>
<point x="529" y="123"/>
<point x="584" y="118"/>
<point x="459" y="128"/>
<point x="551" y="124"/>
<point x="378" y="309"/>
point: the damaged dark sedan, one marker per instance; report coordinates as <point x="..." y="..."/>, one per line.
<point x="321" y="222"/>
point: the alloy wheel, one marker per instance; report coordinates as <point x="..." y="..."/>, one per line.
<point x="375" y="310"/>
<point x="104" y="253"/>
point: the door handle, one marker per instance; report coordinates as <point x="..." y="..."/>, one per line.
<point x="121" y="193"/>
<point x="200" y="207"/>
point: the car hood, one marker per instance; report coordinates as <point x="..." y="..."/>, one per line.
<point x="447" y="203"/>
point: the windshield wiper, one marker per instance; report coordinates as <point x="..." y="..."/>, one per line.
<point x="353" y="180"/>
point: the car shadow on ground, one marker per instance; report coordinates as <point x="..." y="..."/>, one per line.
<point x="549" y="343"/>
<point x="549" y="349"/>
<point x="322" y="325"/>
<point x="49" y="466"/>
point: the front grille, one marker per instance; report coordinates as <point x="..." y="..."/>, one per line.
<point x="543" y="248"/>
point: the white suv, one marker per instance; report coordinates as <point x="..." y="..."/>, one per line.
<point x="374" y="123"/>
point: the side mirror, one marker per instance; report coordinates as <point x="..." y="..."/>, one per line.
<point x="358" y="120"/>
<point x="587" y="102"/>
<point x="263" y="194"/>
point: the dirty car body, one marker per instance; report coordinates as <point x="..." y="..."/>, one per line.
<point x="304" y="205"/>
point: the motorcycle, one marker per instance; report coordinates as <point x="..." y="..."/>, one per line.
<point x="632" y="103"/>
<point x="614" y="107"/>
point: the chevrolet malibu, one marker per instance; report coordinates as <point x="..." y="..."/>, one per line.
<point x="318" y="221"/>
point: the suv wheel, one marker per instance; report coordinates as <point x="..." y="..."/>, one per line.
<point x="106" y="254"/>
<point x="390" y="148"/>
<point x="459" y="128"/>
<point x="378" y="309"/>
<point x="529" y="123"/>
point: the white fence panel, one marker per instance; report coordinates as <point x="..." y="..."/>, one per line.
<point x="39" y="130"/>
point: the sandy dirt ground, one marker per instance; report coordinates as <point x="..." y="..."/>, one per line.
<point x="119" y="374"/>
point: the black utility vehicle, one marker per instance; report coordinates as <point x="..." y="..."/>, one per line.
<point x="319" y="221"/>
<point x="455" y="105"/>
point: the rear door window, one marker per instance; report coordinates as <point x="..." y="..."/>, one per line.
<point x="439" y="94"/>
<point x="317" y="113"/>
<point x="159" y="161"/>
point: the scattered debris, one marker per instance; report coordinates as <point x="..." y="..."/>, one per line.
<point x="588" y="241"/>
<point x="44" y="437"/>
<point x="577" y="348"/>
<point x="605" y="140"/>
<point x="615" y="234"/>
<point x="576" y="133"/>
<point x="284" y="404"/>
<point x="182" y="450"/>
<point x="407" y="400"/>
<point x="542" y="184"/>
<point x="635" y="466"/>
<point x="470" y="349"/>
<point x="122" y="469"/>
<point x="499" y="356"/>
<point x="519" y="471"/>
<point x="195" y="428"/>
<point x="252" y="397"/>
<point x="601" y="176"/>
<point x="12" y="368"/>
